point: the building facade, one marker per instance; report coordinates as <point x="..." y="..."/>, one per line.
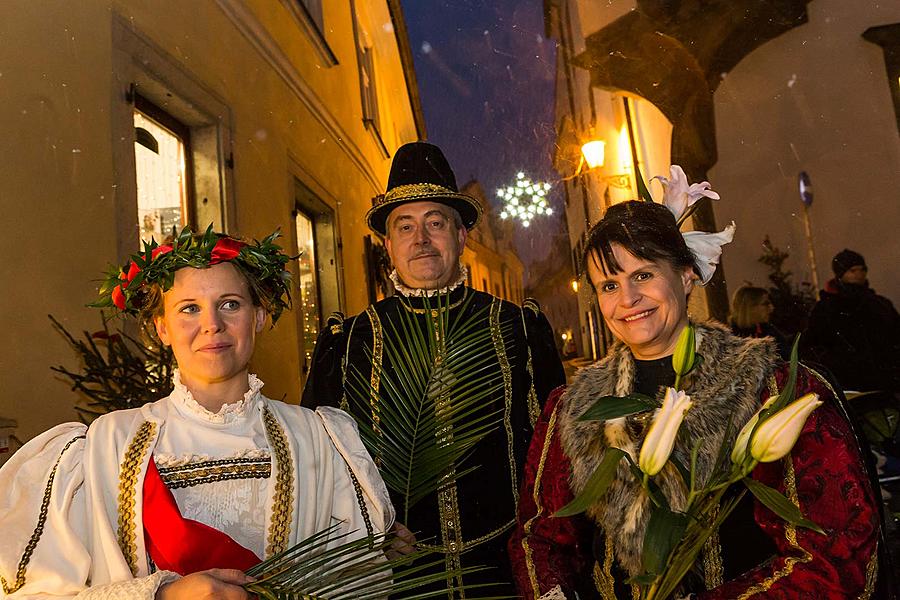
<point x="123" y="120"/>
<point x="743" y="94"/>
<point x="490" y="254"/>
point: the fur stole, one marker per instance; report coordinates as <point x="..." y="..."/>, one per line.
<point x="725" y="387"/>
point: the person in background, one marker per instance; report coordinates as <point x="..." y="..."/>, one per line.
<point x="751" y="314"/>
<point x="853" y="331"/>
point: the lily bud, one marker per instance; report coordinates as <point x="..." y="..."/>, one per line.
<point x="685" y="352"/>
<point x="660" y="438"/>
<point x="778" y="434"/>
<point x="739" y="452"/>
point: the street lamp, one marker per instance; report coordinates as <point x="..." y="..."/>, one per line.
<point x="593" y="154"/>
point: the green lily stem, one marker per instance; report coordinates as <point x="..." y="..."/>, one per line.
<point x="677" y="381"/>
<point x="690" y="210"/>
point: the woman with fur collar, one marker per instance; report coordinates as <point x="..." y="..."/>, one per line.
<point x="642" y="271"/>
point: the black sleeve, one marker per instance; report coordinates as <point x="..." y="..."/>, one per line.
<point x="546" y="365"/>
<point x="324" y="383"/>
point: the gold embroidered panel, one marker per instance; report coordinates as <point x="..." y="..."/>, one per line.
<point x="199" y="473"/>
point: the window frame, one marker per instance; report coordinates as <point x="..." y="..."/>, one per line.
<point x="183" y="133"/>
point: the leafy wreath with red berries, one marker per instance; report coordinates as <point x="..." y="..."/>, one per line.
<point x="263" y="261"/>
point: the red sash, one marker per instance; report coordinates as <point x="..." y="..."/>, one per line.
<point x="183" y="545"/>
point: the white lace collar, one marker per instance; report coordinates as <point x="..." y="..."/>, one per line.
<point x="183" y="397"/>
<point x="420" y="292"/>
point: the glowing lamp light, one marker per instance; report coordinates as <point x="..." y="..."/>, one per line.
<point x="575" y="285"/>
<point x="594" y="153"/>
<point x="524" y="199"/>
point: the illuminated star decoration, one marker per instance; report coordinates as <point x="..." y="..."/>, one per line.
<point x="525" y="200"/>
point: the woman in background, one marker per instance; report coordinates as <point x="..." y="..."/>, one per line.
<point x="751" y="315"/>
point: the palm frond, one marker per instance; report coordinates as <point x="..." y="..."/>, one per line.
<point x="331" y="566"/>
<point x="433" y="404"/>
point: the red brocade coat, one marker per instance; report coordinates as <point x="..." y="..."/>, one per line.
<point x="824" y="475"/>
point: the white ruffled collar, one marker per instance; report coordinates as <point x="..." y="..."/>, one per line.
<point x="229" y="413"/>
<point x="420" y="292"/>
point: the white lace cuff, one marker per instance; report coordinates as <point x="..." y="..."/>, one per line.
<point x="554" y="594"/>
<point x="140" y="588"/>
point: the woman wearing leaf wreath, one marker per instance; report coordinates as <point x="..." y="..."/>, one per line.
<point x="177" y="498"/>
<point x="643" y="270"/>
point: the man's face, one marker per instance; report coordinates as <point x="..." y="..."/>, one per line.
<point x="856" y="275"/>
<point x="424" y="244"/>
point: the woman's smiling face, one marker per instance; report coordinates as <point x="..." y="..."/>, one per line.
<point x="644" y="304"/>
<point x="211" y="323"/>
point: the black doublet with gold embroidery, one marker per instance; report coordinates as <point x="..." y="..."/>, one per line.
<point x="470" y="521"/>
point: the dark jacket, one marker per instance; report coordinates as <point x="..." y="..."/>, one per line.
<point x="855" y="333"/>
<point x="523" y="360"/>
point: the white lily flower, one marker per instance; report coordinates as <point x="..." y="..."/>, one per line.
<point x="778" y="434"/>
<point x="707" y="249"/>
<point x="679" y="195"/>
<point x="660" y="438"/>
<point x="739" y="452"/>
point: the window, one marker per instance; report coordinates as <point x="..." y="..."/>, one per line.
<point x="368" y="84"/>
<point x="309" y="306"/>
<point x="162" y="169"/>
<point x="317" y="293"/>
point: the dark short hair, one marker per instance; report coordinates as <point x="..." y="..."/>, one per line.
<point x="645" y="229"/>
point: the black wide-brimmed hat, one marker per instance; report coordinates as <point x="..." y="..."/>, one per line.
<point x="420" y="173"/>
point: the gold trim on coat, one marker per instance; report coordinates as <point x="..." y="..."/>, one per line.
<point x="506" y="371"/>
<point x="283" y="499"/>
<point x="129" y="479"/>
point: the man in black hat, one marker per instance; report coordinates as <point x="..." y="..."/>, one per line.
<point x="424" y="222"/>
<point x="853" y="331"/>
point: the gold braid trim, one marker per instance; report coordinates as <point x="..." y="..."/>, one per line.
<point x="603" y="578"/>
<point x="283" y="501"/>
<point x="345" y="404"/>
<point x="534" y="409"/>
<point x="38" y="529"/>
<point x="871" y="575"/>
<point x="219" y="470"/>
<point x="129" y="475"/>
<point x="375" y="377"/>
<point x="713" y="570"/>
<point x="503" y="359"/>
<point x="529" y="560"/>
<point x="790" y="532"/>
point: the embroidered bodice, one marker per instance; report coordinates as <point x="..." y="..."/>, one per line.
<point x="218" y="465"/>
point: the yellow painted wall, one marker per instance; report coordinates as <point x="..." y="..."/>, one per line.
<point x="289" y="114"/>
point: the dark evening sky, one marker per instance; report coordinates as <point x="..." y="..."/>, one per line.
<point x="486" y="76"/>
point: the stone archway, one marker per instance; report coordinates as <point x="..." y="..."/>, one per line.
<point x="674" y="53"/>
